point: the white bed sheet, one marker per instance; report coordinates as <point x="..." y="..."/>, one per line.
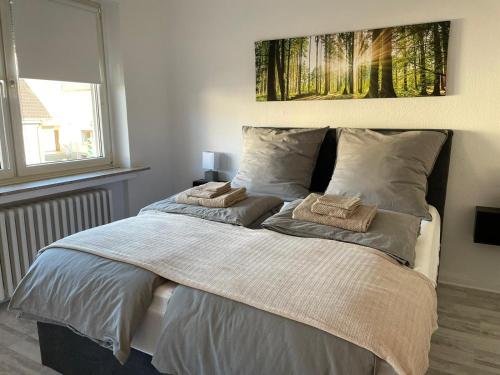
<point x="426" y="262"/>
<point x="428" y="246"/>
<point x="148" y="333"/>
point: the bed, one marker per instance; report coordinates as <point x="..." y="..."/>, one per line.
<point x="70" y="353"/>
<point x="427" y="263"/>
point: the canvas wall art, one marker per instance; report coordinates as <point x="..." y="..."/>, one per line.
<point x="393" y="62"/>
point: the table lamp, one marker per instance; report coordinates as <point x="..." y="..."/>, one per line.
<point x="210" y="165"/>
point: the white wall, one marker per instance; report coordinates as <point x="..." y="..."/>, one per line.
<point x="120" y="199"/>
<point x="211" y="93"/>
<point x="144" y="48"/>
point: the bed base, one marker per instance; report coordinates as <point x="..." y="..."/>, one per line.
<point x="71" y="354"/>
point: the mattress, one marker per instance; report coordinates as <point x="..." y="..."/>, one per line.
<point x="426" y="262"/>
<point x="428" y="246"/>
<point x="148" y="332"/>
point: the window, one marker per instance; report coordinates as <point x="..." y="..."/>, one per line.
<point x="55" y="115"/>
<point x="53" y="106"/>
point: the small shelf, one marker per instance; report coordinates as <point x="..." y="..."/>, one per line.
<point x="487" y="225"/>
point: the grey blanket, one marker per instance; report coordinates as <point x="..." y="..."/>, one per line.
<point x="206" y="334"/>
<point x="393" y="233"/>
<point x="106" y="300"/>
<point x="101" y="299"/>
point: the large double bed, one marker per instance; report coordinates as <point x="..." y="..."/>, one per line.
<point x="178" y="293"/>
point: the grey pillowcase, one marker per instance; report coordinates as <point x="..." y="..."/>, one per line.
<point x="393" y="233"/>
<point x="247" y="213"/>
<point x="278" y="161"/>
<point x="389" y="170"/>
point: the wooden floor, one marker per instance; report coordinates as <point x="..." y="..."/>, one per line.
<point x="19" y="352"/>
<point x="467" y="341"/>
<point x="468" y="338"/>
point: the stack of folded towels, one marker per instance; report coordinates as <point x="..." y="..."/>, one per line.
<point x="342" y="212"/>
<point x="212" y="194"/>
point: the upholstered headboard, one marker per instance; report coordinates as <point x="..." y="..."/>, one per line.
<point x="437" y="182"/>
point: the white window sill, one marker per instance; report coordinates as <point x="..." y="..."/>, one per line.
<point x="57" y="185"/>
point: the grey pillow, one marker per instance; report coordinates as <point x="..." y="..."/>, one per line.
<point x="247" y="213"/>
<point x="278" y="161"/>
<point x="393" y="233"/>
<point x="389" y="170"/>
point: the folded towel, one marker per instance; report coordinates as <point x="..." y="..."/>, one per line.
<point x="339" y="201"/>
<point x="233" y="196"/>
<point x="209" y="190"/>
<point x="324" y="209"/>
<point x="217" y="186"/>
<point x="359" y="221"/>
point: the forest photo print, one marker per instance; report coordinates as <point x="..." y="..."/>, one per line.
<point x="401" y="61"/>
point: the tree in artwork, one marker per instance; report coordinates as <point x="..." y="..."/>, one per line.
<point x="401" y="61"/>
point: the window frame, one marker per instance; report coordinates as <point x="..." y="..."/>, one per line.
<point x="14" y="128"/>
<point x="7" y="159"/>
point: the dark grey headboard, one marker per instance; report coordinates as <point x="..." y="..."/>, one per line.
<point x="437" y="182"/>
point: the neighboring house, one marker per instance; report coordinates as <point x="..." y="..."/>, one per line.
<point x="47" y="136"/>
<point x="39" y="137"/>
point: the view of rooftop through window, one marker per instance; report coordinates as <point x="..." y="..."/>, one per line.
<point x="60" y="121"/>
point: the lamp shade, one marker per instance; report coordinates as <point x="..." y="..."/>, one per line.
<point x="210" y="160"/>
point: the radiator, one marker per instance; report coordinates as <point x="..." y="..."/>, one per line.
<point x="26" y="228"/>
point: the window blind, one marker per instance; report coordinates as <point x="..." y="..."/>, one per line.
<point x="57" y="40"/>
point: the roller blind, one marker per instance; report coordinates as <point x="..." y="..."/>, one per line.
<point x="57" y="40"/>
